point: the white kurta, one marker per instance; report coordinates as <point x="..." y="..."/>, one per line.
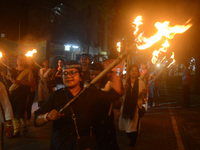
<point x="5" y="103"/>
<point x="130" y="125"/>
<point x="43" y="91"/>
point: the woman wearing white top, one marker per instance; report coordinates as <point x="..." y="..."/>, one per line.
<point x="45" y="75"/>
<point x="129" y="113"/>
<point x="6" y="114"/>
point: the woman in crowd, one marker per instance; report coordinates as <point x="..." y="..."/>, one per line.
<point x="21" y="79"/>
<point x="58" y="75"/>
<point x="46" y="75"/>
<point x="31" y="96"/>
<point x="6" y="114"/>
<point x="129" y="113"/>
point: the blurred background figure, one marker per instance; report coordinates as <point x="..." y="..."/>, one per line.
<point x="85" y="62"/>
<point x="153" y="96"/>
<point x="187" y="83"/>
<point x="46" y="75"/>
<point x="20" y="79"/>
<point x="6" y="114"/>
<point x="32" y="93"/>
<point x="143" y="72"/>
<point x="58" y="75"/>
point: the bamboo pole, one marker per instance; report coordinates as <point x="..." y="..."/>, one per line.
<point x="5" y="65"/>
<point x="37" y="64"/>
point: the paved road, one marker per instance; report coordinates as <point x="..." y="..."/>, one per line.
<point x="167" y="127"/>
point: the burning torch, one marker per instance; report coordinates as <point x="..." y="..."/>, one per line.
<point x="2" y="62"/>
<point x="30" y="54"/>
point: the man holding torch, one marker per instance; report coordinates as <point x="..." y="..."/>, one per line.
<point x="66" y="129"/>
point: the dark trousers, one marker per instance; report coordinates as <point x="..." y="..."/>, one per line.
<point x="29" y="105"/>
<point x="1" y="136"/>
<point x="186" y="95"/>
<point x="133" y="137"/>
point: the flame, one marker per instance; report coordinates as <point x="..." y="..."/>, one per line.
<point x="156" y="53"/>
<point x="137" y="22"/>
<point x="119" y="46"/>
<point x="30" y="53"/>
<point x="173" y="60"/>
<point x="164" y="30"/>
<point x="1" y="55"/>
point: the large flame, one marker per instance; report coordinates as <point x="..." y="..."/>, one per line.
<point x="136" y="23"/>
<point x="30" y="53"/>
<point x="164" y="30"/>
<point x="157" y="53"/>
<point x="1" y="55"/>
<point x="119" y="46"/>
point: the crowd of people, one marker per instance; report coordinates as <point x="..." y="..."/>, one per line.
<point x="114" y="100"/>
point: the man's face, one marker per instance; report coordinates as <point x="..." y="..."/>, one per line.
<point x="134" y="72"/>
<point x="84" y="61"/>
<point x="71" y="78"/>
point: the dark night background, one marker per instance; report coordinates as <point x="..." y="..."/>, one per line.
<point x="61" y="20"/>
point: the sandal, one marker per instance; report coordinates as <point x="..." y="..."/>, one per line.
<point x="9" y="132"/>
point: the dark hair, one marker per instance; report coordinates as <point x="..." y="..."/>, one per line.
<point x="85" y="55"/>
<point x="61" y="60"/>
<point x="24" y="58"/>
<point x="74" y="64"/>
<point x="96" y="66"/>
<point x="133" y="66"/>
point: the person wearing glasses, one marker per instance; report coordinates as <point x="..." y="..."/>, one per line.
<point x="85" y="108"/>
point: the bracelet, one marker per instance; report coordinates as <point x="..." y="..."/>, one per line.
<point x="45" y="117"/>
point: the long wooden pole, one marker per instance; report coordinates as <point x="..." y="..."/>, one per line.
<point x="5" y="65"/>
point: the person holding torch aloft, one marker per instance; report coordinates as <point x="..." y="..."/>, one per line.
<point x="21" y="79"/>
<point x="85" y="108"/>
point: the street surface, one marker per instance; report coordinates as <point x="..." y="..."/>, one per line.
<point x="169" y="126"/>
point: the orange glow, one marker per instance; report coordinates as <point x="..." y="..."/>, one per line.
<point x="1" y="55"/>
<point x="164" y="30"/>
<point x="137" y="22"/>
<point x="30" y="53"/>
<point x="156" y="53"/>
<point x="119" y="46"/>
<point x="172" y="57"/>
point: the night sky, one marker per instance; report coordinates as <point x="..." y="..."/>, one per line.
<point x="14" y="14"/>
